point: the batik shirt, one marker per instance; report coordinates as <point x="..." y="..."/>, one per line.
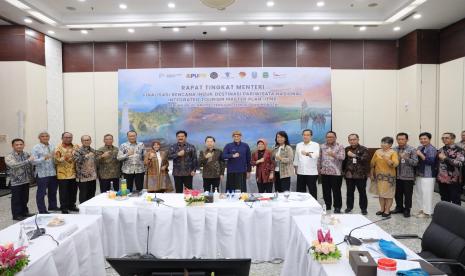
<point x="86" y="165"/>
<point x="19" y="168"/>
<point x="134" y="163"/>
<point x="329" y="165"/>
<point x="449" y="170"/>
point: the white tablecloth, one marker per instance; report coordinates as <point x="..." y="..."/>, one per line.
<point x="303" y="231"/>
<point x="80" y="253"/>
<point x="226" y="229"/>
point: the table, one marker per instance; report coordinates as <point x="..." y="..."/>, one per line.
<point x="78" y="253"/>
<point x="224" y="229"/>
<point x="303" y="232"/>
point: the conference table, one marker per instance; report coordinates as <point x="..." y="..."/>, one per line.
<point x="79" y="252"/>
<point x="223" y="229"/>
<point x="304" y="230"/>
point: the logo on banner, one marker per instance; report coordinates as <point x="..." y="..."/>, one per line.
<point x="213" y="75"/>
<point x="278" y="76"/>
<point x="242" y="74"/>
<point x="266" y="75"/>
<point x="254" y="75"/>
<point x="227" y="75"/>
<point x="173" y="75"/>
<point x="196" y="76"/>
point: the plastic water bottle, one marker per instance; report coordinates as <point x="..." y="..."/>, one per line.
<point x="216" y="195"/>
<point x="22" y="239"/>
<point x="324" y="219"/>
<point x="111" y="186"/>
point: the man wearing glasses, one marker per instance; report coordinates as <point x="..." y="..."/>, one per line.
<point x="451" y="159"/>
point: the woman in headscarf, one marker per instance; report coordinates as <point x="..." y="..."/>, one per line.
<point x="157" y="178"/>
<point x="264" y="164"/>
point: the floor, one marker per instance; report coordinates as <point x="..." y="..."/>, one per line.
<point x="397" y="225"/>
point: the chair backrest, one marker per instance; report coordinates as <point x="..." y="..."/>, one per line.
<point x="445" y="236"/>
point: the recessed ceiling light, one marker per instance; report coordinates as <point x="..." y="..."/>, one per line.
<point x="417" y="16"/>
<point x="270" y="4"/>
<point x="18" y="4"/>
<point x="123" y="6"/>
<point x="397" y="28"/>
<point x="269" y="28"/>
<point x="316" y="28"/>
<point x="363" y="28"/>
<point x="84" y="32"/>
<point x="171" y="5"/>
<point x="320" y="4"/>
<point x="42" y="17"/>
<point x="28" y="20"/>
<point x="30" y="32"/>
<point x="51" y="32"/>
<point x="176" y="29"/>
<point x="82" y="0"/>
<point x="223" y="29"/>
<point x="131" y="30"/>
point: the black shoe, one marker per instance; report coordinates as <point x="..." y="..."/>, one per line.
<point x="28" y="215"/>
<point x="18" y="218"/>
<point x="64" y="211"/>
<point x="364" y="212"/>
<point x="397" y="211"/>
<point x="74" y="209"/>
<point x="347" y="210"/>
<point x="379" y="213"/>
<point x="406" y="213"/>
<point x="45" y="212"/>
<point x="337" y="210"/>
<point x="384" y="215"/>
<point x="56" y="209"/>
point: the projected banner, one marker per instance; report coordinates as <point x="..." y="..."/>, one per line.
<point x="215" y="101"/>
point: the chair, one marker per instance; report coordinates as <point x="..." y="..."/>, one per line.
<point x="443" y="242"/>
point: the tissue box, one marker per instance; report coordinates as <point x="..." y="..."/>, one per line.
<point x="360" y="267"/>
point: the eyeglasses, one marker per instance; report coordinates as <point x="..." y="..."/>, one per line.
<point x="445" y="138"/>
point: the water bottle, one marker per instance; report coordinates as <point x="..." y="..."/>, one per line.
<point x="216" y="195"/>
<point x="22" y="239"/>
<point x="324" y="219"/>
<point x="111" y="186"/>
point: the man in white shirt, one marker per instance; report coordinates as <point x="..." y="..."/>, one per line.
<point x="305" y="163"/>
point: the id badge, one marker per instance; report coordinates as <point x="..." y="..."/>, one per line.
<point x="354" y="160"/>
<point x="402" y="160"/>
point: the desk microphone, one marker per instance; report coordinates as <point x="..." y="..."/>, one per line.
<point x="147" y="254"/>
<point x="353" y="240"/>
<point x="157" y="200"/>
<point x="38" y="231"/>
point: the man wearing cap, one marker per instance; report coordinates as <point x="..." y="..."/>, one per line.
<point x="237" y="155"/>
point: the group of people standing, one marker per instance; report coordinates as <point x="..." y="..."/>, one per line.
<point x="395" y="173"/>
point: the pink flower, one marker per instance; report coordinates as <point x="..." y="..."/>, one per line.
<point x="320" y="236"/>
<point x="195" y="193"/>
<point x="328" y="237"/>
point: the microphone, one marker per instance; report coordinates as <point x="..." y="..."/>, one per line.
<point x="157" y="200"/>
<point x="353" y="240"/>
<point x="148" y="255"/>
<point x="38" y="231"/>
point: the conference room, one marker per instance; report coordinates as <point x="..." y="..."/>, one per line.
<point x="232" y="137"/>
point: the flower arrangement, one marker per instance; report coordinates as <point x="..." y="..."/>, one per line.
<point x="193" y="197"/>
<point x="324" y="250"/>
<point x="12" y="260"/>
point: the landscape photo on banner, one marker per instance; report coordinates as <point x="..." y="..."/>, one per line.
<point x="216" y="101"/>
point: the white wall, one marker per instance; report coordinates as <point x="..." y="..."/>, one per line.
<point x="451" y="96"/>
<point x="22" y="89"/>
<point x="53" y="59"/>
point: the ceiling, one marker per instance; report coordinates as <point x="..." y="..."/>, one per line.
<point x="245" y="19"/>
